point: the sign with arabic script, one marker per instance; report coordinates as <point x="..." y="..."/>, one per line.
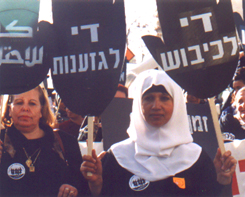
<point x="89" y="54"/>
<point x="200" y="50"/>
<point x="21" y="50"/>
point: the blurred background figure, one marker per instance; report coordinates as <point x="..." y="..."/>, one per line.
<point x="228" y="123"/>
<point x="192" y="99"/>
<point x="122" y="91"/>
<point x="234" y="125"/>
<point x="73" y="125"/>
<point x="237" y="83"/>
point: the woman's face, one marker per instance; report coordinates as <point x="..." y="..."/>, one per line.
<point x="157" y="108"/>
<point x="240" y="104"/>
<point x="26" y="110"/>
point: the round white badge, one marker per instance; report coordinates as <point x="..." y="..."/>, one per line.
<point x="16" y="171"/>
<point x="138" y="184"/>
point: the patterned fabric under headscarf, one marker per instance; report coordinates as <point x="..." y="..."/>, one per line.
<point x="155" y="153"/>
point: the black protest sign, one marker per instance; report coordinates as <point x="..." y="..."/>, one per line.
<point x="22" y="54"/>
<point x="200" y="50"/>
<point x="89" y="54"/>
<point x="202" y="128"/>
<point x="115" y="121"/>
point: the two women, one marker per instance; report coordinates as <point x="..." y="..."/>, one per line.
<point x="35" y="160"/>
<point x="159" y="157"/>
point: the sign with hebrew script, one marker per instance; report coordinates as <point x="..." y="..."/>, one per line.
<point x="202" y="128"/>
<point x="89" y="54"/>
<point x="22" y="53"/>
<point x="200" y="50"/>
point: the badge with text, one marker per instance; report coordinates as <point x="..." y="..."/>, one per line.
<point x="200" y="48"/>
<point x="16" y="171"/>
<point x="22" y="53"/>
<point x="89" y="54"/>
<point x="138" y="184"/>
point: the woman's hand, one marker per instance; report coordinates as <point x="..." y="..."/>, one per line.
<point x="91" y="169"/>
<point x="67" y="191"/>
<point x="225" y="167"/>
<point x="1" y="150"/>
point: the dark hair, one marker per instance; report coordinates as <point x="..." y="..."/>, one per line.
<point x="47" y="115"/>
<point x="154" y="88"/>
<point x="239" y="74"/>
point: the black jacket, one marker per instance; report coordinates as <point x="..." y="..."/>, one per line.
<point x="51" y="168"/>
<point x="200" y="180"/>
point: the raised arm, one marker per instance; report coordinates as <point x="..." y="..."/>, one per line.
<point x="93" y="165"/>
<point x="225" y="167"/>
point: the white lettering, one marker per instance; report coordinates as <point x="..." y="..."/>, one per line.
<point x="117" y="53"/>
<point x="207" y="25"/>
<point x="92" y="55"/>
<point x="81" y="62"/>
<point x="234" y="44"/>
<point x="199" y="59"/>
<point x="220" y="49"/>
<point x="73" y="60"/>
<point x="103" y="62"/>
<point x="196" y="121"/>
<point x="81" y="67"/>
<point x="57" y="60"/>
<point x="93" y="31"/>
<point x="171" y="65"/>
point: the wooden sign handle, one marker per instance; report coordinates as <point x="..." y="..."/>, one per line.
<point x="216" y="124"/>
<point x="90" y="138"/>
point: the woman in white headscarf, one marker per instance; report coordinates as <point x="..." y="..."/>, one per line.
<point x="159" y="157"/>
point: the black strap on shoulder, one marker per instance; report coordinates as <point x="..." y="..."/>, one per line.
<point x="57" y="135"/>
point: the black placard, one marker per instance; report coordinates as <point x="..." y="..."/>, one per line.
<point x="22" y="52"/>
<point x="200" y="49"/>
<point x="202" y="127"/>
<point x="115" y="121"/>
<point x="89" y="53"/>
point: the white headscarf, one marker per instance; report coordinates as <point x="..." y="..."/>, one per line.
<point x="156" y="153"/>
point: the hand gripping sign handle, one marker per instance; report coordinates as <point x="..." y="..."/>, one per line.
<point x="216" y="125"/>
<point x="90" y="138"/>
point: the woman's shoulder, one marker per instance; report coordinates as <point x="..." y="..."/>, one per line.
<point x="204" y="159"/>
<point x="108" y="157"/>
<point x="109" y="161"/>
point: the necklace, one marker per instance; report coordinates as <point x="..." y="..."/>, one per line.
<point x="29" y="163"/>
